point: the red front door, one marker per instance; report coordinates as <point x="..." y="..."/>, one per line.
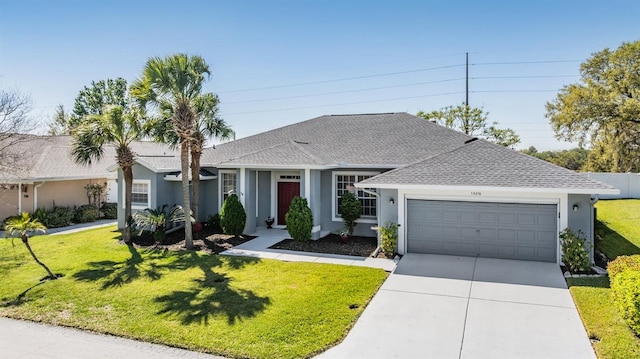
<point x="286" y="192"/>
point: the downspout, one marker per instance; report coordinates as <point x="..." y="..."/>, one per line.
<point x="375" y="253"/>
<point x="35" y="195"/>
<point x="20" y="197"/>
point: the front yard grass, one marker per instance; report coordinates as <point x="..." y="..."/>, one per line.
<point x="601" y="319"/>
<point x="618" y="227"/>
<point x="231" y="306"/>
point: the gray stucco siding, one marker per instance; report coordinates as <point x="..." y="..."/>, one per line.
<point x="249" y="193"/>
<point x="582" y="219"/>
<point x="264" y="197"/>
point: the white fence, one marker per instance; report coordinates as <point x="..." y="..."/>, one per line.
<point x="627" y="183"/>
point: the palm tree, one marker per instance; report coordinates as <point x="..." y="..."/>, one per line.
<point x="173" y="85"/>
<point x="22" y="226"/>
<point x="120" y="127"/>
<point x="208" y="125"/>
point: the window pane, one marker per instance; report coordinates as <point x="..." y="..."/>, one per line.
<point x="368" y="201"/>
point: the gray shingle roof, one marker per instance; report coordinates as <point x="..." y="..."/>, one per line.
<point x="48" y="158"/>
<point x="386" y="139"/>
<point x="483" y="164"/>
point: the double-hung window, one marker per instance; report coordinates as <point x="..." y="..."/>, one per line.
<point x="344" y="182"/>
<point x="140" y="194"/>
<point x="227" y="184"/>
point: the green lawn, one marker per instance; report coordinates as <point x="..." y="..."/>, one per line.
<point x="619" y="227"/>
<point x="601" y="319"/>
<point x="620" y="235"/>
<point x="232" y="306"/>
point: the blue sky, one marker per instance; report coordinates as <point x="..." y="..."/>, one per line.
<point x="342" y="56"/>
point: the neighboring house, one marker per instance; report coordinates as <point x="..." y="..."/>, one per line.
<point x="43" y="174"/>
<point x="450" y="193"/>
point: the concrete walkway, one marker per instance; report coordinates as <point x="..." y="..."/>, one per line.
<point x="77" y="227"/>
<point x="20" y="339"/>
<point x="435" y="306"/>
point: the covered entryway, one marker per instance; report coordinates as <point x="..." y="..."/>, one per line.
<point x="486" y="229"/>
<point x="286" y="192"/>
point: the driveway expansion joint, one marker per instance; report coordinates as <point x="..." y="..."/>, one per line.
<point x="466" y="311"/>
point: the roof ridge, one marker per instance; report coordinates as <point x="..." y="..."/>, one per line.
<point x="308" y="153"/>
<point x="253" y="152"/>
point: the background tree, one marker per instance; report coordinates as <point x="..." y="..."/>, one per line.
<point x="14" y="124"/>
<point x="23" y="226"/>
<point x="472" y="121"/>
<point x="118" y="125"/>
<point x="172" y="85"/>
<point x="59" y="125"/>
<point x="603" y="109"/>
<point x="573" y="159"/>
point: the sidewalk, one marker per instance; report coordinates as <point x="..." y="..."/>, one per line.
<point x="76" y="227"/>
<point x="21" y="339"/>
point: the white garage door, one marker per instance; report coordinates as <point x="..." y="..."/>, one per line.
<point x="495" y="230"/>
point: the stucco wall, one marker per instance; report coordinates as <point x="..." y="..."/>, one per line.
<point x="250" y="201"/>
<point x="582" y="219"/>
<point x="59" y="193"/>
<point x="264" y="197"/>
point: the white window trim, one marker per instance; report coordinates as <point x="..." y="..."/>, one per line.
<point x="220" y="180"/>
<point x="133" y="205"/>
<point x="334" y="210"/>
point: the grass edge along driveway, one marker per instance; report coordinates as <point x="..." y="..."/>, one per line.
<point x="231" y="306"/>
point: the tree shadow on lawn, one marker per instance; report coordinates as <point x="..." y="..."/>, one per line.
<point x="212" y="295"/>
<point x="612" y="243"/>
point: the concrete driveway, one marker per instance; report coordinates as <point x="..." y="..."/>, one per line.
<point x="435" y="306"/>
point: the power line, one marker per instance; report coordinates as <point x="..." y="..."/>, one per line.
<point x="521" y="77"/>
<point x="345" y="103"/>
<point x="345" y="91"/>
<point x="524" y="62"/>
<point x="344" y="79"/>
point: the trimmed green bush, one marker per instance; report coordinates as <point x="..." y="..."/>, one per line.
<point x="625" y="290"/>
<point x="299" y="219"/>
<point x="85" y="213"/>
<point x="622" y="263"/>
<point x="232" y="216"/>
<point x="59" y="217"/>
<point x="350" y="210"/>
<point x="575" y="251"/>
<point x="388" y="238"/>
<point x="109" y="210"/>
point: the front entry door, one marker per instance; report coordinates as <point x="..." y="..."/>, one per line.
<point x="286" y="192"/>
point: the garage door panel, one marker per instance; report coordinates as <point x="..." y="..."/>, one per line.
<point x="500" y="230"/>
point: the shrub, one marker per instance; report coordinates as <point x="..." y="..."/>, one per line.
<point x="59" y="217"/>
<point x="232" y="216"/>
<point x="299" y="219"/>
<point x="625" y="290"/>
<point x="109" y="210"/>
<point x="622" y="263"/>
<point x="350" y="210"/>
<point x="388" y="238"/>
<point x="40" y="215"/>
<point x="85" y="213"/>
<point x="10" y="218"/>
<point x="575" y="251"/>
<point x="214" y="221"/>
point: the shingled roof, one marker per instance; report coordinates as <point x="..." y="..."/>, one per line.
<point x="479" y="163"/>
<point x="384" y="140"/>
<point x="45" y="158"/>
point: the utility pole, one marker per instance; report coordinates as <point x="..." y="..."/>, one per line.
<point x="466" y="101"/>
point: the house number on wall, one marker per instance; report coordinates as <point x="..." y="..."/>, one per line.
<point x="476" y="193"/>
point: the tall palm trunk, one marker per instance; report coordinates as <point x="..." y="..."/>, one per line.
<point x="128" y="189"/>
<point x="184" y="162"/>
<point x="196" y="153"/>
<point x="25" y="240"/>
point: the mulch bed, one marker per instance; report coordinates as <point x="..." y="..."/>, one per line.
<point x="356" y="246"/>
<point x="208" y="240"/>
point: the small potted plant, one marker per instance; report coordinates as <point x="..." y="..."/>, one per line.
<point x="269" y="221"/>
<point x="344" y="235"/>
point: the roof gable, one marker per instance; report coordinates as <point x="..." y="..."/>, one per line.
<point x="380" y="140"/>
<point x="483" y="164"/>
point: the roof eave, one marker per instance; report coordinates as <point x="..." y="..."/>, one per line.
<point x="489" y="188"/>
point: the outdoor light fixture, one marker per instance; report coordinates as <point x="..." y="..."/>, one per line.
<point x="392" y="201"/>
<point x="575" y="207"/>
